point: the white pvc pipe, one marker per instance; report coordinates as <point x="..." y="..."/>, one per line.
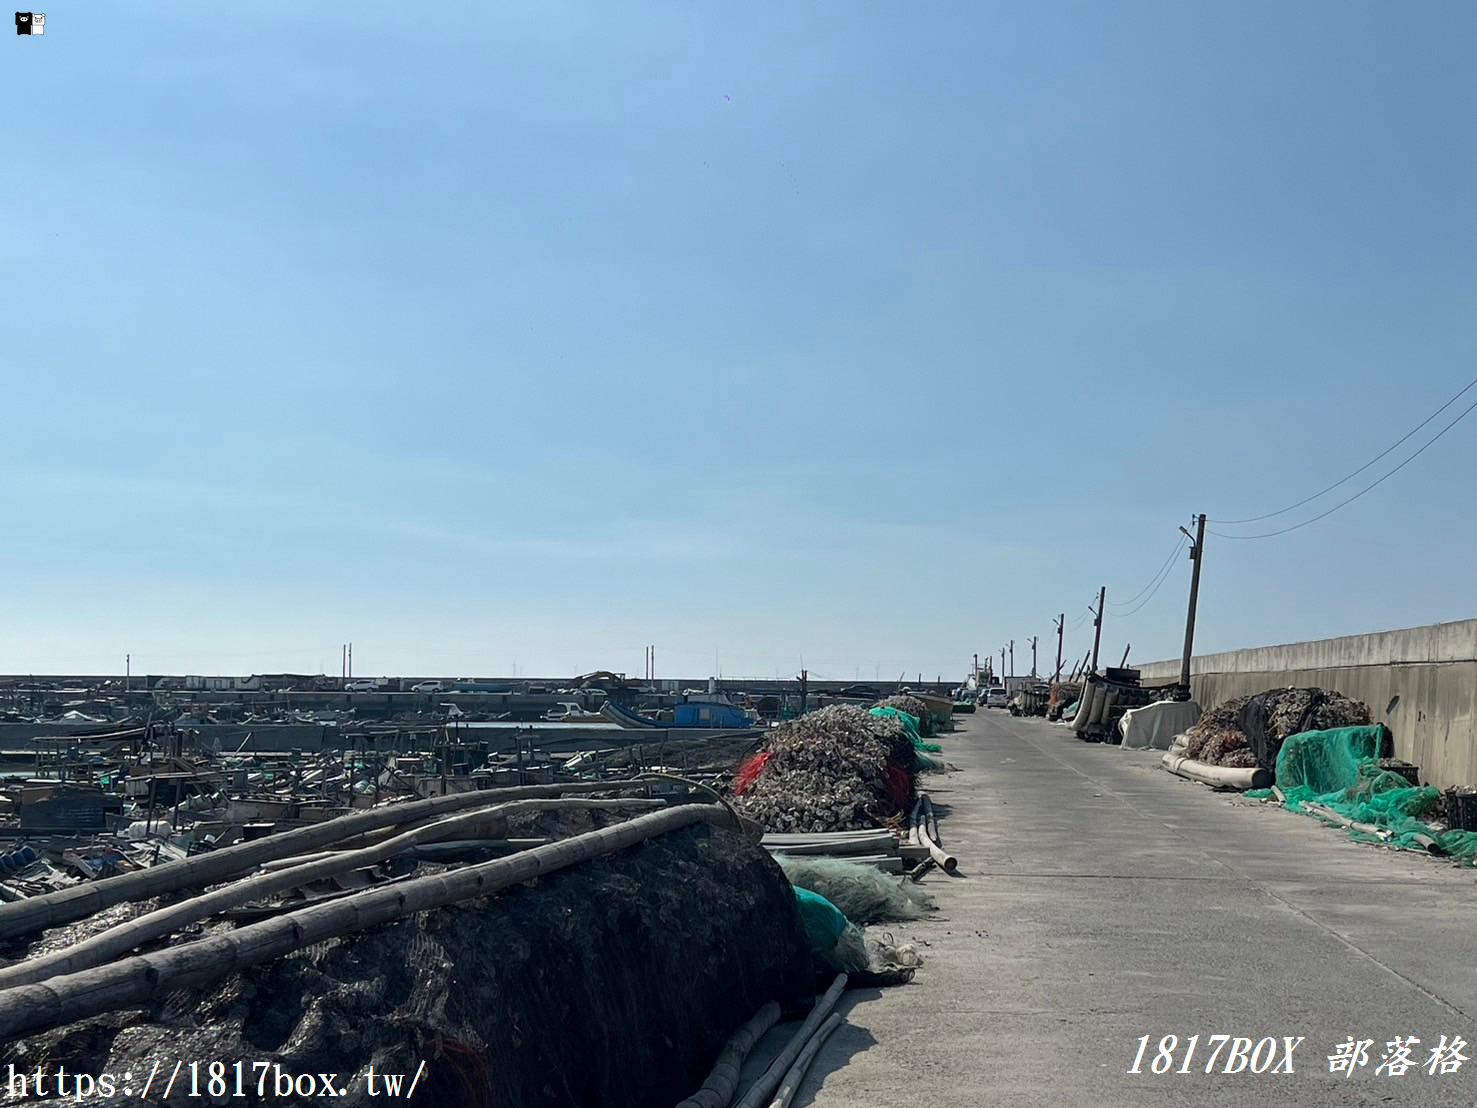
<point x="1221" y="777"/>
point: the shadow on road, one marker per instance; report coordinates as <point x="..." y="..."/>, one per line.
<point x="845" y="1042"/>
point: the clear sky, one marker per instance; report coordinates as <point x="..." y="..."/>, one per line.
<point x="872" y="334"/>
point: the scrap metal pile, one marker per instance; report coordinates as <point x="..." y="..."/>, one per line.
<point x="837" y="769"/>
<point x="1248" y="731"/>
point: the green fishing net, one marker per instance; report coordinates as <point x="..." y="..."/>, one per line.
<point x="1339" y="769"/>
<point x="911" y="724"/>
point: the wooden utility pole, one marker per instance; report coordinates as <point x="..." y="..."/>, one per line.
<point x="1061" y="623"/>
<point x="1033" y="656"/>
<point x="1196" y="552"/>
<point x="1097" y="624"/>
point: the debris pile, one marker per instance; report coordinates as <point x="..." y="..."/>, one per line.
<point x="837" y="769"/>
<point x="1248" y="731"/>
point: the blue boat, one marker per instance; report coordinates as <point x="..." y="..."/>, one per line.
<point x="705" y="711"/>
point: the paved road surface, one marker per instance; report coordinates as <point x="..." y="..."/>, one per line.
<point x="1105" y="899"/>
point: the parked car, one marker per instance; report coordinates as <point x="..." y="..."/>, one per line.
<point x="428" y="687"/>
<point x="995" y="698"/>
<point x="362" y="686"/>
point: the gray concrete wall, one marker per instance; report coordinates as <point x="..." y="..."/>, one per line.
<point x="1419" y="681"/>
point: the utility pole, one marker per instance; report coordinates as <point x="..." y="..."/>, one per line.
<point x="1097" y="624"/>
<point x="1061" y="623"/>
<point x="351" y="661"/>
<point x="1033" y="657"/>
<point x="127" y="672"/>
<point x="1012" y="657"/>
<point x="804" y="688"/>
<point x="1002" y="665"/>
<point x="1197" y="551"/>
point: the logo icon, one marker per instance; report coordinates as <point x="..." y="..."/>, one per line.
<point x="30" y="23"/>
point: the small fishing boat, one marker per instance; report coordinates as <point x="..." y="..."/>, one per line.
<point x="570" y="712"/>
<point x="708" y="711"/>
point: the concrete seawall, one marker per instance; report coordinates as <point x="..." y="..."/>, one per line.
<point x="1420" y="681"/>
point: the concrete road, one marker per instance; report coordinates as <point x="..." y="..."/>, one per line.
<point x="1103" y="899"/>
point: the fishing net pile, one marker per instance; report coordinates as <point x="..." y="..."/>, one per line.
<point x="1249" y="731"/>
<point x="1342" y="770"/>
<point x="913" y="706"/>
<point x="863" y="893"/>
<point x="837" y="769"/>
<point x="612" y="984"/>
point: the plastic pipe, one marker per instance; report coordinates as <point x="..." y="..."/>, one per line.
<point x="1221" y="777"/>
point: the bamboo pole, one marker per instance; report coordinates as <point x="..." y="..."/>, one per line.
<point x="925" y="825"/>
<point x="796" y="1075"/>
<point x="97" y="949"/>
<point x="130" y="981"/>
<point x="759" y="1092"/>
<point x="719" y="1088"/>
<point x="66" y="905"/>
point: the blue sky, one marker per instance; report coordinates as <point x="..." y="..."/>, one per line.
<point x="873" y="334"/>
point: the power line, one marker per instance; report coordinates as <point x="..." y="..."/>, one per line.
<point x="1086" y="614"/>
<point x="1178" y="546"/>
<point x="1163" y="577"/>
<point x="1367" y="488"/>
<point x="1356" y="473"/>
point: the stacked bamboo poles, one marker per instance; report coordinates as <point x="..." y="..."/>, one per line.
<point x="99" y="948"/>
<point x="130" y="981"/>
<point x="783" y="1067"/>
<point x="718" y="1089"/>
<point x="796" y="1073"/>
<point x="66" y="905"/>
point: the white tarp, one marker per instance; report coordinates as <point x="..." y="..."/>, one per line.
<point x="1154" y="726"/>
